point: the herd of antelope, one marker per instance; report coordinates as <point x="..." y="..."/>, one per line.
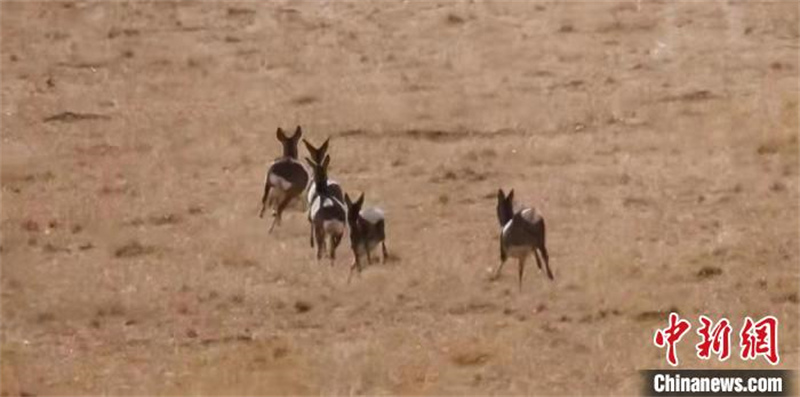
<point x="331" y="211"/>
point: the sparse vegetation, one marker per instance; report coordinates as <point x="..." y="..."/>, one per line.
<point x="666" y="167"/>
<point x="708" y="272"/>
<point x="133" y="249"/>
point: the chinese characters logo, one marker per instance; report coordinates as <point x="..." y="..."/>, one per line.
<point x="755" y="339"/>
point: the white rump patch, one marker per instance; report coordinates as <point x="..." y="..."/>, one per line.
<point x="372" y="215"/>
<point x="279" y="182"/>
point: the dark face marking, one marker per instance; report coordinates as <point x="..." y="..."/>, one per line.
<point x="505" y="207"/>
<point x="290" y="143"/>
<point x="320" y="175"/>
<point x="357" y="234"/>
<point x="317" y="154"/>
<point x="312" y="151"/>
<point x="353" y="210"/>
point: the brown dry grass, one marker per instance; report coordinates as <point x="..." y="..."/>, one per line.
<point x="660" y="142"/>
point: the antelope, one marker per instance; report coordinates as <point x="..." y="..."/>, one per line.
<point x="522" y="234"/>
<point x="286" y="178"/>
<point x="327" y="213"/>
<point x="317" y="156"/>
<point x="367" y="229"/>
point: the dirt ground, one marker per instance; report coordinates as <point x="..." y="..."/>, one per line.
<point x="659" y="140"/>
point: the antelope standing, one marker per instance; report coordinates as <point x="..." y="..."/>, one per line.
<point x="522" y="234"/>
<point x="367" y="230"/>
<point x="286" y="178"/>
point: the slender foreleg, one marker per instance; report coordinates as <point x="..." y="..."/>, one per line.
<point x="264" y="198"/>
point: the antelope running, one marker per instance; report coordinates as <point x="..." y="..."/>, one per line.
<point x="286" y="178"/>
<point x="327" y="213"/>
<point x="317" y="156"/>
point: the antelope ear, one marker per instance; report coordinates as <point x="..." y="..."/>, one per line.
<point x="297" y="133"/>
<point x="324" y="147"/>
<point x="510" y="196"/>
<point x="348" y="201"/>
<point x="311" y="149"/>
<point x="311" y="163"/>
<point x="500" y="195"/>
<point x="360" y="200"/>
<point x="281" y="135"/>
<point x="326" y="162"/>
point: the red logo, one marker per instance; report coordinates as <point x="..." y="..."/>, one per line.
<point x="671" y="335"/>
<point x="760" y="339"/>
<point x="755" y="339"/>
<point x="716" y="339"/>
